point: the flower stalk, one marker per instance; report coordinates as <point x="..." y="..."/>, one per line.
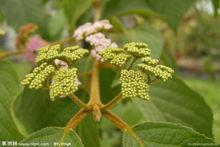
<point x="95" y="101"/>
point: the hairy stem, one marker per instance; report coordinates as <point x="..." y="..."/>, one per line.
<point x="122" y="125"/>
<point x="95" y="93"/>
<point x="76" y="119"/>
<point x="78" y="102"/>
<point x="73" y="122"/>
<point x="94" y="100"/>
<point x="112" y="102"/>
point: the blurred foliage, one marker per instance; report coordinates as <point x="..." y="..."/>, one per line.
<point x="216" y="5"/>
<point x="204" y="37"/>
<point x="20" y="12"/>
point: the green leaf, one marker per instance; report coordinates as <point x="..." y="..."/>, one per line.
<point x="20" y="12"/>
<point x="147" y="34"/>
<point x="56" y="24"/>
<point x="117" y="24"/>
<point x="123" y="7"/>
<point x="167" y="59"/>
<point x="2" y="17"/>
<point x="74" y="9"/>
<point x="52" y="135"/>
<point x="35" y="110"/>
<point x="216" y="5"/>
<point x="165" y="135"/>
<point x="9" y="89"/>
<point x="171" y="11"/>
<point x="89" y="132"/>
<point x="106" y="90"/>
<point x="173" y="101"/>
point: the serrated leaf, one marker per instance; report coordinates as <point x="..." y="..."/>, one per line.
<point x="165" y="135"/>
<point x="35" y="110"/>
<point x="20" y="12"/>
<point x="89" y="132"/>
<point x="146" y="34"/>
<point x="173" y="101"/>
<point x="9" y="89"/>
<point x="107" y="92"/>
<point x="52" y="135"/>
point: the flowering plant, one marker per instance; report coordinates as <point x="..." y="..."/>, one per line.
<point x="76" y="72"/>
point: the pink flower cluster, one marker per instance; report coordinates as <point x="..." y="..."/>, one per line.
<point x="33" y="44"/>
<point x="100" y="42"/>
<point x="90" y="28"/>
<point x="91" y="33"/>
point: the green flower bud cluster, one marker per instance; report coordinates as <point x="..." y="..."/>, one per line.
<point x="134" y="84"/>
<point x="109" y="53"/>
<point x="120" y="59"/>
<point x="73" y="53"/>
<point x="48" y="53"/>
<point x="116" y="56"/>
<point x="137" y="49"/>
<point x="39" y="76"/>
<point x="64" y="83"/>
<point x="151" y="66"/>
<point x="64" y="79"/>
<point x="119" y="56"/>
<point x="69" y="54"/>
<point x="150" y="61"/>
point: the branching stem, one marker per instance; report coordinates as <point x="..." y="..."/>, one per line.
<point x="122" y="125"/>
<point x="95" y="105"/>
<point x="73" y="122"/>
<point x="78" y="102"/>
